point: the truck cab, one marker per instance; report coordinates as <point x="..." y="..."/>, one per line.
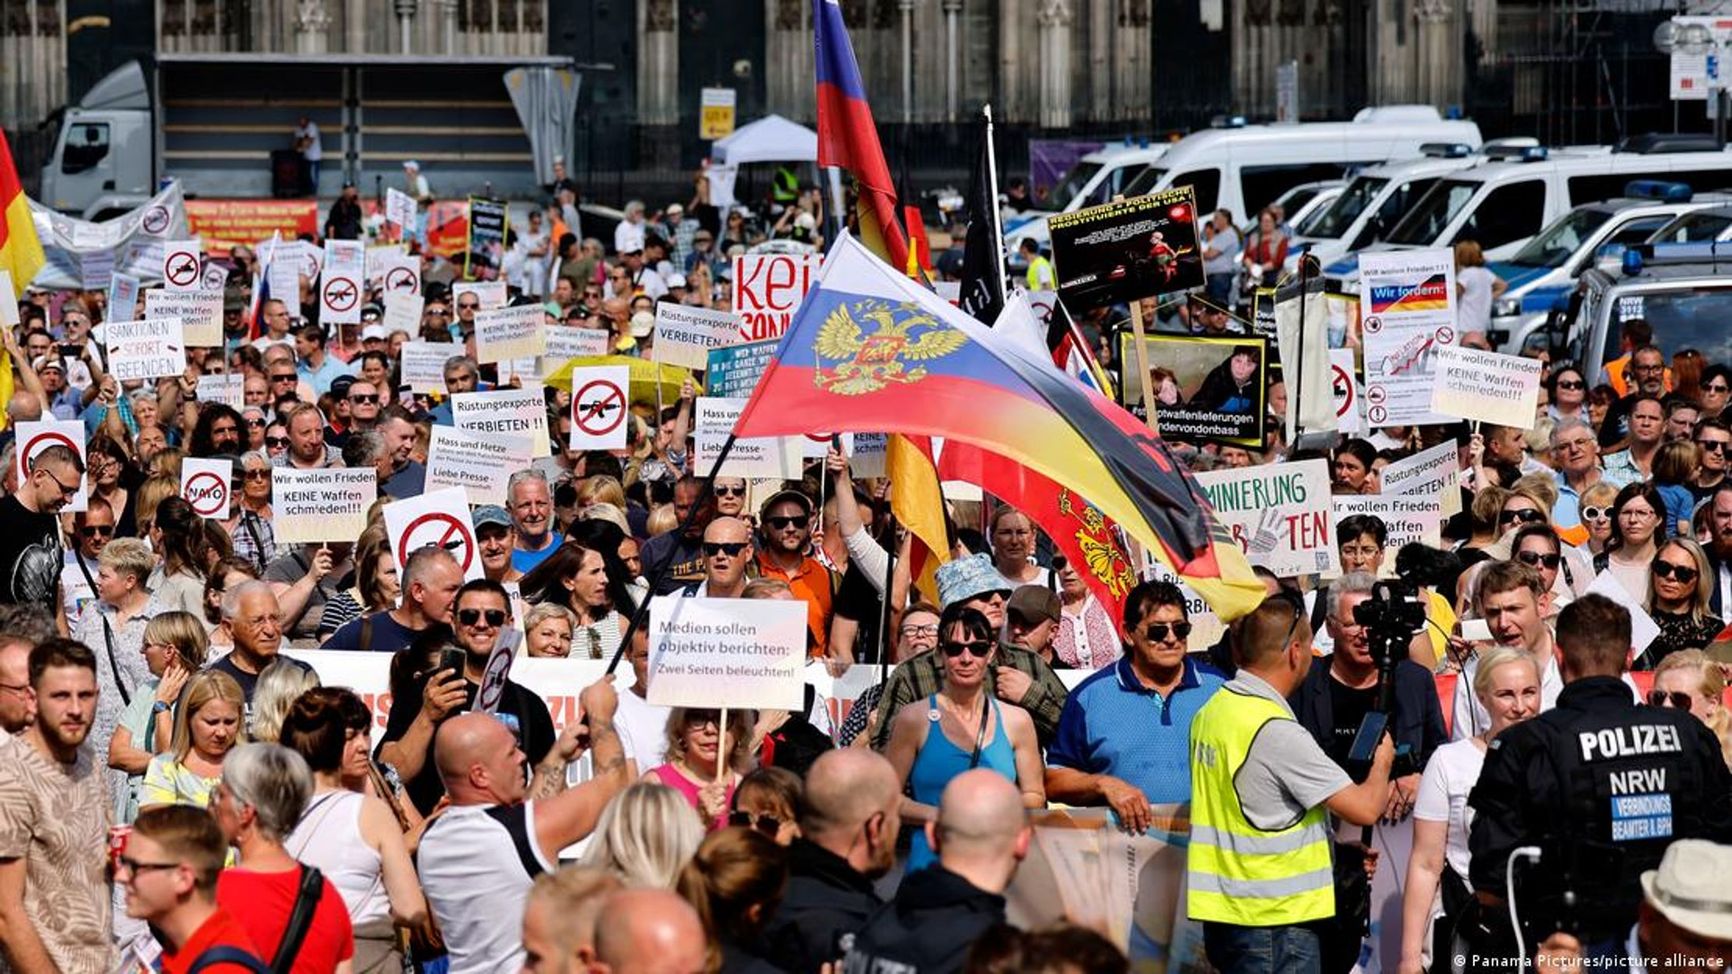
<point x="101" y="165"/>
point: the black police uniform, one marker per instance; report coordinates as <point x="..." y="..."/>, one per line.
<point x="1602" y="785"/>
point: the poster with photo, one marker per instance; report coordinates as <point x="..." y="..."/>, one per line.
<point x="1128" y="249"/>
<point x="1206" y="388"/>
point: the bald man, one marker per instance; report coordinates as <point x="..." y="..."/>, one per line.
<point x="981" y="835"/>
<point x="848" y="832"/>
<point x="478" y="860"/>
<point x="560" y="917"/>
<point x="727" y="550"/>
<point x="648" y="931"/>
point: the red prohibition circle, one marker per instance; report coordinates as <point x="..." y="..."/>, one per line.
<point x="180" y="274"/>
<point x="220" y="494"/>
<point x="456" y="527"/>
<point x="46" y="439"/>
<point x="598" y="411"/>
<point x="1341" y="376"/>
<point x="341" y="294"/>
<point x="155" y="220"/>
<point x="401" y="279"/>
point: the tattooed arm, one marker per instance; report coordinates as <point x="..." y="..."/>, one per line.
<point x="564" y="815"/>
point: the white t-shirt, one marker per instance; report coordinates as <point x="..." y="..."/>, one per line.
<point x="477" y="863"/>
<point x="627" y="237"/>
<point x="1443" y="790"/>
<point x="1473" y="309"/>
<point x="643" y="730"/>
<point x="315" y="150"/>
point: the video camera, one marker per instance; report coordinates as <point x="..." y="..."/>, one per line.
<point x="1391" y="617"/>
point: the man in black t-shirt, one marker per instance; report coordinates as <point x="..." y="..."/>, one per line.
<point x="30" y="551"/>
<point x="251" y="610"/>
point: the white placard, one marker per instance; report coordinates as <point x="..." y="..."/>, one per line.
<point x="200" y="313"/>
<point x="479" y="464"/>
<point x="505" y="412"/>
<point x="1428" y="473"/>
<point x="767" y="289"/>
<point x="283" y="280"/>
<point x="423" y="365"/>
<point x="871" y="453"/>
<point x="147" y="349"/>
<point x="816" y="446"/>
<point x="96" y="270"/>
<point x="1407" y="309"/>
<point x="402" y="312"/>
<point x="565" y="343"/>
<point x="438" y="518"/>
<point x="1349" y="392"/>
<point x="399" y="207"/>
<point x="509" y="333"/>
<point x="400" y="274"/>
<point x="766" y="456"/>
<point x="9" y="301"/>
<point x="1643" y="629"/>
<point x="342" y="282"/>
<point x="228" y="389"/>
<point x="182" y="265"/>
<point x="685" y="335"/>
<point x="727" y="653"/>
<point x="1278" y="513"/>
<point x="1407" y="518"/>
<point x="381" y="256"/>
<point x="1489" y="387"/>
<point x="330" y="504"/>
<point x="491" y="294"/>
<point x="122" y="298"/>
<point x="205" y="485"/>
<point x="215" y="278"/>
<point x="600" y="400"/>
<point x="36" y="436"/>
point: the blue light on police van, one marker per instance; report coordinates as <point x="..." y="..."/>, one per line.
<point x="1446" y="150"/>
<point x="1632" y="262"/>
<point x="1658" y="189"/>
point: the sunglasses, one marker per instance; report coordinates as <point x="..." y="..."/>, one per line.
<point x="1157" y="631"/>
<point x="471" y="305"/>
<point x="1717" y="387"/>
<point x="1676" y="698"/>
<point x="769" y="825"/>
<point x="256" y="475"/>
<point x="1712" y="446"/>
<point x="730" y="548"/>
<point x="1592" y="513"/>
<point x="96" y="531"/>
<point x="469" y="617"/>
<point x="364" y="400"/>
<point x="730" y="491"/>
<point x="784" y="523"/>
<point x="285" y="377"/>
<point x="1571" y="384"/>
<point x="1665" y="569"/>
<point x="1534" y="559"/>
<point x="255" y="422"/>
<point x="276" y="441"/>
<point x="1524" y="516"/>
<point x="979" y="649"/>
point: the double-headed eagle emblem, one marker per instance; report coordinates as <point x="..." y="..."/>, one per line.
<point x="869" y="361"/>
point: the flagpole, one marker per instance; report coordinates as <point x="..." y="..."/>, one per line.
<point x="997" y="217"/>
<point x="838" y="205"/>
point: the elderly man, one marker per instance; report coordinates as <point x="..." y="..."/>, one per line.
<point x="251" y="611"/>
<point x="1577" y="455"/>
<point x="479" y="858"/>
<point x="530" y="504"/>
<point x="429" y="583"/>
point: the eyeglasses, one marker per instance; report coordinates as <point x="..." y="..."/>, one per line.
<point x="1570" y="384"/>
<point x="1676" y="698"/>
<point x="1657" y="367"/>
<point x="1360" y="551"/>
<point x="730" y="491"/>
<point x="730" y="548"/>
<point x="364" y="400"/>
<point x="979" y="649"/>
<point x="135" y="867"/>
<point x="926" y="630"/>
<point x="96" y="531"/>
<point x="1157" y="631"/>
<point x="1592" y="513"/>
<point x="1665" y="569"/>
<point x="276" y="441"/>
<point x="470" y="617"/>
<point x="65" y="491"/>
<point x="1712" y="446"/>
<point x="1524" y="516"/>
<point x="1534" y="559"/>
<point x="784" y="523"/>
<point x="256" y="474"/>
<point x="767" y="824"/>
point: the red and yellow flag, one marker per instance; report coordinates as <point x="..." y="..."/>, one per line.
<point x="20" y="250"/>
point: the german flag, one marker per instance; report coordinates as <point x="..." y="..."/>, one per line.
<point x="20" y="250"/>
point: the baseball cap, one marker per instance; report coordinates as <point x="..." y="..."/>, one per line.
<point x="340" y="385"/>
<point x="1033" y="604"/>
<point x="1690" y="889"/>
<point x="372" y="333"/>
<point x="489" y="514"/>
<point x="965" y="578"/>
<point x="642" y="323"/>
<point x="676" y="280"/>
<point x="48" y="362"/>
<point x="674" y="209"/>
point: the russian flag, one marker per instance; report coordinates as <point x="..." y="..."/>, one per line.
<point x="848" y="137"/>
<point x="262" y="285"/>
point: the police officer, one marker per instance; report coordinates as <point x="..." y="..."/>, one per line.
<point x="1599" y="784"/>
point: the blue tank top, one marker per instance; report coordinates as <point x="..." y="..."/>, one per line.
<point x="940" y="760"/>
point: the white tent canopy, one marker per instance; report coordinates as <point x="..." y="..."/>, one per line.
<point x="769" y="139"/>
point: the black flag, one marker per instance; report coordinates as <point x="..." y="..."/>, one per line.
<point x="982" y="294"/>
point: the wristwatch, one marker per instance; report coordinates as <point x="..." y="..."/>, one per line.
<point x="159" y="707"/>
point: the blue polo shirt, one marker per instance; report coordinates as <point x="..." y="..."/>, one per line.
<point x="1113" y="725"/>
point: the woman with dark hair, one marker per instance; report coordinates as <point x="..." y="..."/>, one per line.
<point x="219" y="431"/>
<point x="735" y="883"/>
<point x="1352" y="466"/>
<point x="113" y="478"/>
<point x="1716" y="389"/>
<point x="593" y="584"/>
<point x="961" y="727"/>
<point x="347" y="834"/>
<point x="1638" y="527"/>
<point x="1566" y="394"/>
<point x="177" y="533"/>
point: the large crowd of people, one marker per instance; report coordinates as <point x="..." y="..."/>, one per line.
<point x="180" y="790"/>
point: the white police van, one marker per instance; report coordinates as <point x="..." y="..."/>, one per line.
<point x="1684" y="291"/>
<point x="1242" y="167"/>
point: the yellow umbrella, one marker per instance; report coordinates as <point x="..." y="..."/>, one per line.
<point x="645" y="376"/>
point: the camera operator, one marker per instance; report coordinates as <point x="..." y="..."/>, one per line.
<point x="1258" y="865"/>
<point x="1333" y="702"/>
<point x="1600" y="785"/>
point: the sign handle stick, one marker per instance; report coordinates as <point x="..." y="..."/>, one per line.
<point x="1143" y="365"/>
<point x="640" y="618"/>
<point x="722" y="744"/>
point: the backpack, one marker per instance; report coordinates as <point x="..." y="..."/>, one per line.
<point x="227" y="954"/>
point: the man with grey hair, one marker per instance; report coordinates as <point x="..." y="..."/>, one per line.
<point x="530" y="505"/>
<point x="462" y="374"/>
<point x="251" y="611"/>
<point x="366" y="448"/>
<point x="407" y="476"/>
<point x="629" y="233"/>
<point x="1576" y="452"/>
<point x="429" y="583"/>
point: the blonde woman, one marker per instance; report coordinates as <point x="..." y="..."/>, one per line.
<point x="113" y="628"/>
<point x="1690" y="675"/>
<point x="547" y="630"/>
<point x="174" y="650"/>
<point x="280" y="684"/>
<point x="696" y="765"/>
<point x="645" y="835"/>
<point x="206" y="728"/>
<point x="1680" y="590"/>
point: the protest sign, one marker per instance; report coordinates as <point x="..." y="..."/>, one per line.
<point x="399" y="208"/>
<point x="1408" y="518"/>
<point x="1349" y="394"/>
<point x="200" y="313"/>
<point x="685" y="335"/>
<point x="283" y="281"/>
<point x="9" y="301"/>
<point x="498" y="669"/>
<point x="508" y="333"/>
<point x="727" y="653"/>
<point x="380" y="256"/>
<point x="599" y="407"/>
<point x="342" y="281"/>
<point x="313" y="506"/>
<point x="1205" y="388"/>
<point x="436" y="519"/>
<point x="716" y="113"/>
<point x="871" y="453"/>
<point x="38" y="435"/>
<point x="122" y="298"/>
<point x="491" y="294"/>
<point x="230" y="389"/>
<point x="182" y="265"/>
<point x="1278" y="513"/>
<point x="1407" y="300"/>
<point x="96" y="269"/>
<point x="1643" y="629"/>
<point x="734" y="371"/>
<point x="766" y="456"/>
<point x="505" y="412"/>
<point x="564" y="344"/>
<point x="423" y="365"/>
<point x="1126" y="250"/>
<point x="477" y="463"/>
<point x="1428" y="473"/>
<point x="488" y="221"/>
<point x="400" y="274"/>
<point x="205" y="485"/>
<point x="215" y="278"/>
<point x="1483" y="386"/>
<point x="147" y="349"/>
<point x="767" y="289"/>
<point x="402" y="312"/>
